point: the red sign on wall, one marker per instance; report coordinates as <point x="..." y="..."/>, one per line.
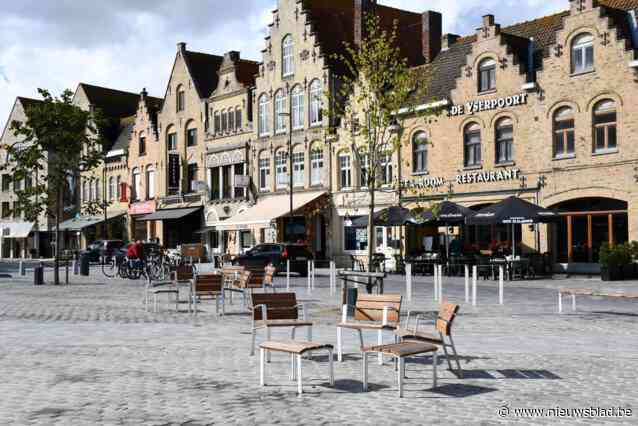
<point x="146" y="207"/>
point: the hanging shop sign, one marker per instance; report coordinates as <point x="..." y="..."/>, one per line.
<point x="475" y="106"/>
<point x="488" y="176"/>
<point x="173" y="171"/>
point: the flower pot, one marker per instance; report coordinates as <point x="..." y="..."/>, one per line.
<point x="611" y="273"/>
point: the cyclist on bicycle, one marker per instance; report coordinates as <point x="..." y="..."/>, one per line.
<point x="134" y="253"/>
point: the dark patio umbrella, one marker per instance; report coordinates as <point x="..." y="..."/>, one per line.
<point x="447" y="214"/>
<point x="392" y="216"/>
<point x="514" y="211"/>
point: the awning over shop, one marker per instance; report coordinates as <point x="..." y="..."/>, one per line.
<point x="205" y="230"/>
<point x="81" y="222"/>
<point x="266" y="210"/>
<point x="16" y="229"/>
<point x="171" y="214"/>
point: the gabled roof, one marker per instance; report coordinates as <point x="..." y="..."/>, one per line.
<point x="113" y="103"/>
<point x="246" y="72"/>
<point x="203" y="70"/>
<point x="126" y="130"/>
<point x="448" y="65"/>
<point x="28" y="102"/>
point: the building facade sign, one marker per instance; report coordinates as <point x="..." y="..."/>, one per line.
<point x="146" y="207"/>
<point x="430" y="182"/>
<point x="488" y="105"/>
<point x="488" y="176"/>
<point x="226" y="158"/>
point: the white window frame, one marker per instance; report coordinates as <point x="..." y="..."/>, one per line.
<point x="580" y="45"/>
<point x="111" y="188"/>
<point x="316" y="166"/>
<point x="150" y="183"/>
<point x="419" y="148"/>
<point x="287" y="56"/>
<point x="280" y="109"/>
<point x="387" y="170"/>
<point x="281" y="169"/>
<point x="136" y="185"/>
<point x="345" y="171"/>
<point x="298" y="169"/>
<point x="264" y="121"/>
<point x="264" y="174"/>
<point x="316" y="113"/>
<point x="298" y="100"/>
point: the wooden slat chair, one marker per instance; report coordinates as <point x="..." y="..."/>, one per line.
<point x="372" y="312"/>
<point x="207" y="286"/>
<point x="278" y="310"/>
<point x="442" y="338"/>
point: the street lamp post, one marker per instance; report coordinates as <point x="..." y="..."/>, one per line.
<point x="290" y="184"/>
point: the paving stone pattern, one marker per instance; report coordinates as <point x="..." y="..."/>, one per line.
<point x="88" y="353"/>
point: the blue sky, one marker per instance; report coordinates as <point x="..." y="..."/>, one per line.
<point x="130" y="45"/>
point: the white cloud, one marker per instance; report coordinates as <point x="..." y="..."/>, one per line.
<point x="129" y="45"/>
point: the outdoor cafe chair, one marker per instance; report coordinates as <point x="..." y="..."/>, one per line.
<point x="443" y="332"/>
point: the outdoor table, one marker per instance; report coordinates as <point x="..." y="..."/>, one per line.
<point x="349" y="276"/>
<point x="421" y="264"/>
<point x="510" y="265"/>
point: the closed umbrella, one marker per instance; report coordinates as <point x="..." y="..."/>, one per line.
<point x="514" y="211"/>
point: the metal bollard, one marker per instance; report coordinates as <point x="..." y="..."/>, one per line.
<point x="500" y="285"/>
<point x="309" y="276"/>
<point x="288" y="274"/>
<point x="408" y="281"/>
<point x="474" y="273"/>
<point x="76" y="267"/>
<point x="313" y="275"/>
<point x="440" y="274"/>
<point x="435" y="269"/>
<point x="467" y="284"/>
<point x="23" y="271"/>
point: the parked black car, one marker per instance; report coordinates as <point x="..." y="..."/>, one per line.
<point x="103" y="248"/>
<point x="277" y="255"/>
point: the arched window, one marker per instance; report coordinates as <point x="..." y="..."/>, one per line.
<point x="264" y="120"/>
<point x="136" y="185"/>
<point x="316" y="114"/>
<point x="224" y="121"/>
<point x="504" y="141"/>
<point x="298" y="167"/>
<point x="171" y="139"/>
<point x="280" y="111"/>
<point x="487" y="75"/>
<point x="387" y="169"/>
<point x="472" y="145"/>
<point x="191" y="134"/>
<point x="111" y="188"/>
<point x="605" y="126"/>
<point x="420" y="152"/>
<point x="345" y="171"/>
<point x="287" y="56"/>
<point x="218" y="122"/>
<point x="583" y="53"/>
<point x="264" y="171"/>
<point x="150" y="182"/>
<point x="91" y="191"/>
<point x="316" y="165"/>
<point x="297" y="107"/>
<point x="564" y="132"/>
<point x="118" y="188"/>
<point x="238" y="118"/>
<point x="181" y="99"/>
<point x="281" y="169"/>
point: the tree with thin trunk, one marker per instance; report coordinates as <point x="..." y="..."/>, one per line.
<point x="57" y="141"/>
<point x="370" y="105"/>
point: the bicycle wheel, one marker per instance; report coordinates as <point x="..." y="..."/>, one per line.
<point x="123" y="270"/>
<point x="109" y="267"/>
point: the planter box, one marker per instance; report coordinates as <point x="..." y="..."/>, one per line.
<point x="613" y="273"/>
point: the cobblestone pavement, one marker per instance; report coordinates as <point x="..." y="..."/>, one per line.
<point x="88" y="353"/>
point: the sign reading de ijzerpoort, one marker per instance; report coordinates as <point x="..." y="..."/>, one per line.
<point x="488" y="176"/>
<point x="488" y="105"/>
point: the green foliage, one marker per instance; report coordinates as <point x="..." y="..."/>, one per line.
<point x="57" y="141"/>
<point x="617" y="255"/>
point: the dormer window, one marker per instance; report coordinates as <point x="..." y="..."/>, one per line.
<point x="287" y="56"/>
<point x="487" y="75"/>
<point x="583" y="54"/>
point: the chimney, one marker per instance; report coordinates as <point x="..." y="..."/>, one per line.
<point x="431" y="30"/>
<point x="181" y="46"/>
<point x="488" y="21"/>
<point x="144" y="93"/>
<point x="231" y="56"/>
<point x="448" y="40"/>
<point x="361" y="8"/>
<point x="489" y="28"/>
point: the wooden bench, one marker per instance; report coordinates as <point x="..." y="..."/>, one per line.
<point x="443" y="329"/>
<point x="208" y="286"/>
<point x="400" y="351"/>
<point x="372" y="312"/>
<point x="573" y="292"/>
<point x="277" y="310"/>
<point x="296" y="351"/>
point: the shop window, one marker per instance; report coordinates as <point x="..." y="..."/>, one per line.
<point x="280" y="112"/>
<point x="142" y="146"/>
<point x="345" y="171"/>
<point x="605" y="126"/>
<point x="316" y="113"/>
<point x="472" y="145"/>
<point x="281" y="169"/>
<point x="298" y="168"/>
<point x="487" y="75"/>
<point x="264" y="174"/>
<point x="564" y="132"/>
<point x="191" y="137"/>
<point x="583" y="53"/>
<point x="419" y="152"/>
<point x="181" y="99"/>
<point x="355" y="238"/>
<point x="264" y="121"/>
<point x="287" y="56"/>
<point x="504" y="141"/>
<point x="297" y="108"/>
<point x="246" y="239"/>
<point x="171" y="142"/>
<point x="316" y="165"/>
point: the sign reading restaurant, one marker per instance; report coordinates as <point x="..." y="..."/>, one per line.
<point x="489" y="176"/>
<point x="488" y="105"/>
